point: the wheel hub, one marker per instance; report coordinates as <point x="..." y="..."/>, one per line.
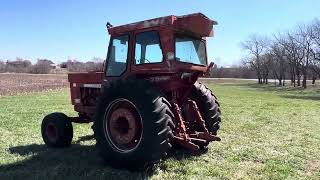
<point x="123" y="126"/>
<point x="52" y="133"/>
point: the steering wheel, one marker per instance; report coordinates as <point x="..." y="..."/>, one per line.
<point x="147" y="60"/>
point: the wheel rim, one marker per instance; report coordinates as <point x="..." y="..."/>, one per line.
<point x="123" y="125"/>
<point x="51" y="132"/>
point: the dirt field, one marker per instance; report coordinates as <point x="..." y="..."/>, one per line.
<point x="12" y="84"/>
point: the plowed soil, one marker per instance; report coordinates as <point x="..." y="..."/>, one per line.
<point x="12" y="84"/>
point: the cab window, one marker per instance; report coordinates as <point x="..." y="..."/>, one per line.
<point x="147" y="48"/>
<point x="190" y="50"/>
<point x="118" y="56"/>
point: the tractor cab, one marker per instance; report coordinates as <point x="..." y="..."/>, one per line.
<point x="165" y="45"/>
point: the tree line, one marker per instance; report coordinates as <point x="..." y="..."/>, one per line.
<point x="45" y="66"/>
<point x="293" y="55"/>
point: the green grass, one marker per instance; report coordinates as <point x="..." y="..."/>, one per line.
<point x="267" y="133"/>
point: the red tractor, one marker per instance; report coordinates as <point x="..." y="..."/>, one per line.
<point x="148" y="96"/>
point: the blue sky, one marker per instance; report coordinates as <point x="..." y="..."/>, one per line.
<point x="63" y="29"/>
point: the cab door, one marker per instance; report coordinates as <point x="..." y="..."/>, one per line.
<point x="148" y="52"/>
<point x="119" y="54"/>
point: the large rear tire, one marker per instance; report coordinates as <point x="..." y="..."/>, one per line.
<point x="132" y="124"/>
<point x="208" y="105"/>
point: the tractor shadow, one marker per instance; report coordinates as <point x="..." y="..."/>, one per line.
<point x="76" y="162"/>
<point x="179" y="153"/>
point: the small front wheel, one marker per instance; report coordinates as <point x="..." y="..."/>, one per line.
<point x="56" y="130"/>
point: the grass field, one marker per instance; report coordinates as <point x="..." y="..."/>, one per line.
<point x="267" y="133"/>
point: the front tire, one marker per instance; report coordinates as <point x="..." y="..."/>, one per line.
<point x="131" y="126"/>
<point x="56" y="130"/>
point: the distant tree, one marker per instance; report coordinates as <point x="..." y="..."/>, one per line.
<point x="45" y="61"/>
<point x="2" y="66"/>
<point x="239" y="71"/>
<point x="315" y="71"/>
<point x="316" y="38"/>
<point x="217" y="72"/>
<point x="97" y="60"/>
<point x="315" y="62"/>
<point x="266" y="66"/>
<point x="43" y="66"/>
<point x="64" y="65"/>
<point x="18" y="66"/>
<point x="304" y="41"/>
<point x="292" y="56"/>
<point x="277" y="55"/>
<point x="96" y="64"/>
<point x="256" y="46"/>
<point x="74" y="65"/>
<point x="295" y="54"/>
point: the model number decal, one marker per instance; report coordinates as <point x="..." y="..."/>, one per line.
<point x="91" y="85"/>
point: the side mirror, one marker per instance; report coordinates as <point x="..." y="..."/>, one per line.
<point x="104" y="65"/>
<point x="109" y="25"/>
<point x="207" y="73"/>
<point x="211" y="65"/>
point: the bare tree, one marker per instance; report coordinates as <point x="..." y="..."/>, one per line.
<point x="256" y="46"/>
<point x="43" y="66"/>
<point x="315" y="68"/>
<point x="266" y="66"/>
<point x="18" y="66"/>
<point x="2" y="66"/>
<point x="316" y="34"/>
<point x="304" y="39"/>
<point x="277" y="54"/>
<point x="291" y="51"/>
<point x="315" y="61"/>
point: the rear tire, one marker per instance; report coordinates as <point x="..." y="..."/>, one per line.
<point x="208" y="105"/>
<point x="149" y="118"/>
<point x="56" y="130"/>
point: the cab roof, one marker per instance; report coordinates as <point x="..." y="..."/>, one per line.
<point x="196" y="23"/>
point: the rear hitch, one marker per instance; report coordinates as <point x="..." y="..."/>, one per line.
<point x="206" y="135"/>
<point x="191" y="140"/>
<point x="181" y="137"/>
